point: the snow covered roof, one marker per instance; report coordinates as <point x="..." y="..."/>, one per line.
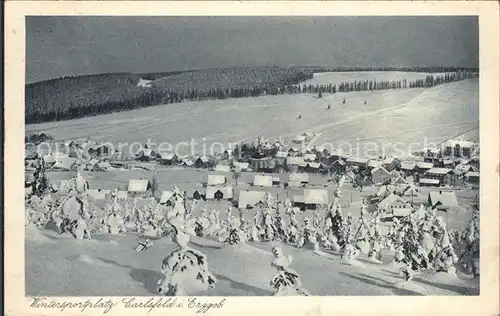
<point x="447" y="161"/>
<point x="337" y="152"/>
<point x="300" y="138"/>
<point x="424" y="165"/>
<point x="167" y="156"/>
<point x="203" y="159"/>
<point x="144" y="83"/>
<point x="440" y="171"/>
<point x="98" y="194"/>
<point x="355" y="159"/>
<point x="380" y="170"/>
<point x="165" y="196"/>
<point x="146" y="152"/>
<point x="276" y="179"/>
<point x="459" y="169"/>
<point x="408" y="165"/>
<point x="263" y="181"/>
<point x="227" y="192"/>
<point x="399" y="180"/>
<point x="64" y="163"/>
<point x="296" y="161"/>
<point x="282" y="154"/>
<point x="298" y="177"/>
<point x="472" y="174"/>
<point x="389" y="160"/>
<point x="309" y="157"/>
<point x="314" y="165"/>
<point x="250" y="198"/>
<point x="215" y="179"/>
<point x="298" y="198"/>
<point x="187" y="162"/>
<point x="443" y="199"/>
<point x="391" y="199"/>
<point x="373" y="163"/>
<point x="382" y="191"/>
<point x="241" y="165"/>
<point x="294" y="184"/>
<point x="121" y="195"/>
<point x="222" y="168"/>
<point x="316" y="196"/>
<point x="49" y="158"/>
<point x="136" y="185"/>
<point x="428" y="181"/>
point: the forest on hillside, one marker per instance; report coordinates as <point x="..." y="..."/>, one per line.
<point x="75" y="97"/>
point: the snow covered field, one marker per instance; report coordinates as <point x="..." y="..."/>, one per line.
<point x="62" y="266"/>
<point x="406" y="116"/>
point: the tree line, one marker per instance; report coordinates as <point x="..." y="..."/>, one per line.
<point x="75" y="97"/>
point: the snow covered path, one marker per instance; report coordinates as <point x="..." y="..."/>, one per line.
<point x="110" y="266"/>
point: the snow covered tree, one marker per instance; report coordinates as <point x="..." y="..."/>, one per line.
<point x="376" y="240"/>
<point x="285" y="282"/>
<point x="40" y="184"/>
<point x="362" y="236"/>
<point x="308" y="237"/>
<point x="469" y="257"/>
<point x="185" y="270"/>
<point x="445" y="258"/>
<point x="415" y="256"/>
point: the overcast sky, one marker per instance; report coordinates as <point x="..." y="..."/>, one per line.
<point x="62" y="46"/>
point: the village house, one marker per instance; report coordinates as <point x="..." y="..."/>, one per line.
<point x="310" y="199"/>
<point x="168" y="159"/>
<point x="216" y="180"/>
<point x="197" y="195"/>
<point x="64" y="163"/>
<point x="431" y="154"/>
<point x="398" y="181"/>
<point x="281" y="158"/>
<point x="264" y="164"/>
<point x="391" y="163"/>
<point x="249" y="199"/>
<point x="337" y="154"/>
<point x="298" y="179"/>
<point x="314" y="167"/>
<point x="422" y="167"/>
<point x="240" y="166"/>
<point x="357" y="161"/>
<point x="276" y="181"/>
<point x="408" y="167"/>
<point x="187" y="162"/>
<point x="98" y="195"/>
<point x="380" y="176"/>
<point x="310" y="157"/>
<point x="472" y="178"/>
<point x="139" y="188"/>
<point x="201" y="162"/>
<point x="394" y="206"/>
<point x="442" y="200"/>
<point x="222" y="168"/>
<point x="459" y="148"/>
<point x="227" y="154"/>
<point x="262" y="181"/>
<point x="295" y="163"/>
<point x="424" y="182"/>
<point x="219" y="193"/>
<point x="444" y="175"/>
<point x="374" y="163"/>
<point x="145" y="154"/>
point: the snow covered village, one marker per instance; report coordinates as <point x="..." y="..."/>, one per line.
<point x="281" y="211"/>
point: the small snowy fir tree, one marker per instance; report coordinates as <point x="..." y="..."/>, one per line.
<point x="285" y="282"/>
<point x="469" y="257"/>
<point x="445" y="258"/>
<point x="349" y="250"/>
<point x="40" y="185"/>
<point x="338" y="225"/>
<point x="362" y="236"/>
<point x="308" y="237"/>
<point x="280" y="226"/>
<point x="376" y="240"/>
<point x="185" y="270"/>
<point x="415" y="256"/>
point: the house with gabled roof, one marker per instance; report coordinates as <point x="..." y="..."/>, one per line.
<point x="139" y="188"/>
<point x="380" y="175"/>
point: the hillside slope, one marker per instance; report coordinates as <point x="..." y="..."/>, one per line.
<point x="403" y="115"/>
